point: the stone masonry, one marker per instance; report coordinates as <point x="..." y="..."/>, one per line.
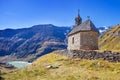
<point x="91" y="55"/>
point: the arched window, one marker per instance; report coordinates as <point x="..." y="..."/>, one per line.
<point x="73" y="40"/>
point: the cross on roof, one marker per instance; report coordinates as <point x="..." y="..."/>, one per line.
<point x="78" y="12"/>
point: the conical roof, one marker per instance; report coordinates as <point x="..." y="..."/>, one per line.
<point x="86" y="26"/>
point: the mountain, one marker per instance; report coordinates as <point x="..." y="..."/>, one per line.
<point x="103" y="29"/>
<point x="58" y="67"/>
<point x="33" y="42"/>
<point x="30" y="43"/>
<point x="110" y="39"/>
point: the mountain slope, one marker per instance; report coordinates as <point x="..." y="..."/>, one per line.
<point x="57" y="67"/>
<point x="103" y="29"/>
<point x="110" y="40"/>
<point x="32" y="42"/>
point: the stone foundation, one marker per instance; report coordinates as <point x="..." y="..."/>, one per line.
<point x="91" y="55"/>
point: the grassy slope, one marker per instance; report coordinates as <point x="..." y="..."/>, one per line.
<point x="4" y="70"/>
<point x="66" y="69"/>
<point x="109" y="40"/>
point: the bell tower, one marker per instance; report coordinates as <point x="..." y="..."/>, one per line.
<point x="78" y="19"/>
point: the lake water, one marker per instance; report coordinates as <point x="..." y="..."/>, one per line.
<point x="19" y="64"/>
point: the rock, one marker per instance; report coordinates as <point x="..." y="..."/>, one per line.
<point x="49" y="67"/>
<point x="52" y="67"/>
<point x="90" y="54"/>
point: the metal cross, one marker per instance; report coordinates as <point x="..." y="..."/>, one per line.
<point x="78" y="11"/>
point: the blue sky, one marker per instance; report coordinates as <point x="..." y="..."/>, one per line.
<point x="26" y="13"/>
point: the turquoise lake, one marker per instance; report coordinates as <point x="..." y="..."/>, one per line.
<point x="19" y="64"/>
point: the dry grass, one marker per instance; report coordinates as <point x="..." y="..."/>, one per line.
<point x="66" y="69"/>
<point x="110" y="40"/>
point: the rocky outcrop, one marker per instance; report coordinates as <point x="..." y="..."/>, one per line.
<point x="91" y="55"/>
<point x="7" y="66"/>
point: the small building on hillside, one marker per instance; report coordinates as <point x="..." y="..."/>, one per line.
<point x="83" y="36"/>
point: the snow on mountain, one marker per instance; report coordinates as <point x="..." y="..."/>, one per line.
<point x="103" y="29"/>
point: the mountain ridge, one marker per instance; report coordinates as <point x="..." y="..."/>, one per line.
<point x="109" y="40"/>
<point x="30" y="43"/>
<point x="34" y="41"/>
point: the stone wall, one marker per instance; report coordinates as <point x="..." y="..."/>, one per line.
<point x="89" y="40"/>
<point x="76" y="44"/>
<point x="91" y="55"/>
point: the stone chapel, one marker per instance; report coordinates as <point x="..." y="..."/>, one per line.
<point x="84" y="36"/>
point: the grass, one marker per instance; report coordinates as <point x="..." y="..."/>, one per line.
<point x="110" y="40"/>
<point x="67" y="69"/>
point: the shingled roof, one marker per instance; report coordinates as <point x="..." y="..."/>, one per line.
<point x="86" y="26"/>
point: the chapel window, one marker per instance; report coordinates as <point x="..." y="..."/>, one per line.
<point x="73" y="40"/>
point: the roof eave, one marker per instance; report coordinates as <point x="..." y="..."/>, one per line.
<point x="82" y="31"/>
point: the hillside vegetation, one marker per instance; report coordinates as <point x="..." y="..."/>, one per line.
<point x="63" y="68"/>
<point x="30" y="43"/>
<point x="110" y="40"/>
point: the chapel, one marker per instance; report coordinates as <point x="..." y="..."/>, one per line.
<point x="84" y="36"/>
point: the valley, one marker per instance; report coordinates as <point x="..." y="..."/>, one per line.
<point x="52" y="66"/>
